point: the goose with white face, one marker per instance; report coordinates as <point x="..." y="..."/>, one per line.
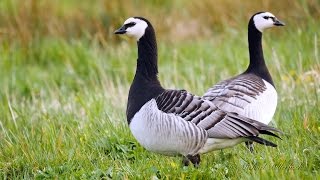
<point x="266" y="20"/>
<point x="134" y="27"/>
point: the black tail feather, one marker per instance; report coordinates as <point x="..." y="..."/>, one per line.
<point x="269" y="133"/>
<point x="269" y="128"/>
<point x="261" y="141"/>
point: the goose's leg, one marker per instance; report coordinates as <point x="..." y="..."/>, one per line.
<point x="194" y="159"/>
<point x="249" y="145"/>
<point x="185" y="161"/>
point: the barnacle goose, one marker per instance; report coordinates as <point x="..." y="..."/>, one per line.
<point x="252" y="93"/>
<point x="176" y="122"/>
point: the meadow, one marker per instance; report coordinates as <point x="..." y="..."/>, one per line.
<point x="64" y="80"/>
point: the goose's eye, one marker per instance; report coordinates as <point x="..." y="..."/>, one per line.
<point x="266" y="17"/>
<point x="130" y="24"/>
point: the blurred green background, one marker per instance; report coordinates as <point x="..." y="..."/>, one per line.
<point x="29" y="20"/>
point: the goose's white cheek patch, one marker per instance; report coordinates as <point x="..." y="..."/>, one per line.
<point x="138" y="30"/>
<point x="261" y="23"/>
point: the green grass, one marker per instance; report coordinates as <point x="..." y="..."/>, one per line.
<point x="62" y="112"/>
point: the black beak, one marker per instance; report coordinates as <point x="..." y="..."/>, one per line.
<point x="121" y="30"/>
<point x="278" y="23"/>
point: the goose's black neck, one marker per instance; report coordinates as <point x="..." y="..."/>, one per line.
<point x="147" y="64"/>
<point x="257" y="64"/>
<point x="145" y="85"/>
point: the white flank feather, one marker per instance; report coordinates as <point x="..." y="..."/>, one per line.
<point x="264" y="106"/>
<point x="165" y="133"/>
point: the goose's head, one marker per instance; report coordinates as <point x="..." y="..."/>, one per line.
<point x="134" y="27"/>
<point x="264" y="20"/>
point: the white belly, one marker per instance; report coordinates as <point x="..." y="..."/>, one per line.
<point x="216" y="144"/>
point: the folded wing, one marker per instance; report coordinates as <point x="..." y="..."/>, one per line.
<point x="218" y="123"/>
<point x="236" y="93"/>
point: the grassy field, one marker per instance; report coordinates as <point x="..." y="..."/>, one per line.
<point x="64" y="79"/>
